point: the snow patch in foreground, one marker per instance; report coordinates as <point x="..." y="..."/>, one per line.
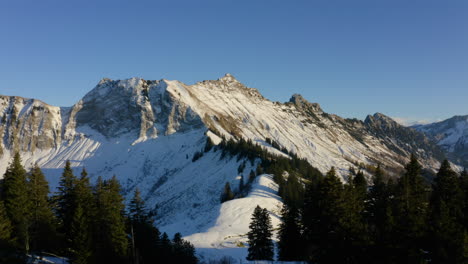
<point x="227" y="236"/>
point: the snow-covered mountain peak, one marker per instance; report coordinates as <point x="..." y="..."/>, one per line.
<point x="451" y="134"/>
<point x="228" y="78"/>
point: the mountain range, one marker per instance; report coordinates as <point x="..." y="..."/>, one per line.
<point x="146" y="132"/>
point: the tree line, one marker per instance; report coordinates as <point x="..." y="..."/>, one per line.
<point x="389" y="221"/>
<point x="84" y="222"/>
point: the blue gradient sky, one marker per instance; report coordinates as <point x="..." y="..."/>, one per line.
<point x="406" y="59"/>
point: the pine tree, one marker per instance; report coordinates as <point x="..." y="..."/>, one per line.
<point x="65" y="200"/>
<point x="410" y="214"/>
<point x="42" y="218"/>
<point x="241" y="184"/>
<point x="290" y="245"/>
<point x="17" y="202"/>
<point x="251" y="176"/>
<point x="352" y="226"/>
<point x="110" y="235"/>
<point x="6" y="228"/>
<point x="82" y="220"/>
<point x="380" y="218"/>
<point x="227" y="194"/>
<point x="183" y="251"/>
<point x="166" y="248"/>
<point x="326" y="216"/>
<point x="8" y="254"/>
<point x="80" y="244"/>
<point x="464" y="188"/>
<point x="446" y="233"/>
<point x="146" y="244"/>
<point x="260" y="243"/>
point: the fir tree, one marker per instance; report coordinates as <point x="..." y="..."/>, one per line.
<point x="65" y="199"/>
<point x="251" y="176"/>
<point x="5" y="226"/>
<point x="17" y="202"/>
<point x="380" y="218"/>
<point x="324" y="214"/>
<point x="410" y="214"/>
<point x="80" y="244"/>
<point x="227" y="194"/>
<point x="352" y="226"/>
<point x="260" y="243"/>
<point x="83" y="219"/>
<point x="464" y="188"/>
<point x="8" y="254"/>
<point x="42" y="219"/>
<point x="110" y="236"/>
<point x="183" y="251"/>
<point x="446" y="234"/>
<point x="290" y="245"/>
<point x="241" y="184"/>
<point x="166" y="248"/>
<point x="259" y="170"/>
<point x="145" y="237"/>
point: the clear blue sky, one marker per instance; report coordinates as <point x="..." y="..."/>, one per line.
<point x="406" y="59"/>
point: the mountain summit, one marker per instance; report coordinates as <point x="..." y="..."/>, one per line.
<point x="155" y="135"/>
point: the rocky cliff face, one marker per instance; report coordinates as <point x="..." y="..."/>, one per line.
<point x="141" y="110"/>
<point x="28" y="125"/>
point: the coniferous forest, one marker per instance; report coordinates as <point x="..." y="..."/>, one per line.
<point x="380" y="219"/>
<point x="85" y="223"/>
<point x="405" y="220"/>
<point x="370" y="219"/>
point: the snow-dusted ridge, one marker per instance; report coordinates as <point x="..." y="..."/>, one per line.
<point x="451" y="134"/>
<point x="146" y="133"/>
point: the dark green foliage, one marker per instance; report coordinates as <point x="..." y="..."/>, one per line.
<point x="380" y="218"/>
<point x="227" y="194"/>
<point x="241" y="184"/>
<point x="183" y="251"/>
<point x="145" y="237"/>
<point x="411" y="200"/>
<point x="251" y="176"/>
<point x="97" y="232"/>
<point x="241" y="168"/>
<point x="84" y="213"/>
<point x="17" y="202"/>
<point x="110" y="237"/>
<point x="446" y="230"/>
<point x="166" y="248"/>
<point x="65" y="200"/>
<point x="80" y="244"/>
<point x="353" y="225"/>
<point x="42" y="221"/>
<point x="292" y="191"/>
<point x="323" y="218"/>
<point x="6" y="229"/>
<point x="260" y="243"/>
<point x="464" y="187"/>
<point x="8" y="254"/>
<point x="259" y="170"/>
<point x="290" y="245"/>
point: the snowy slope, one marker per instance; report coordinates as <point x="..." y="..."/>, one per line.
<point x="224" y="229"/>
<point x="451" y="134"/>
<point x="146" y="133"/>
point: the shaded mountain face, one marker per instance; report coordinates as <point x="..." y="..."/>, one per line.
<point x="452" y="135"/>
